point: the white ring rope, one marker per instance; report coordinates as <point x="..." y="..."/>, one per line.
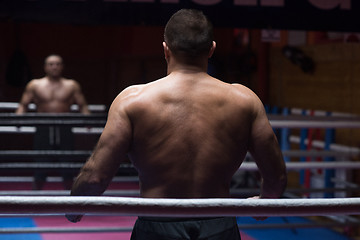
<point x="291" y="121"/>
<point x="32" y="130"/>
<point x="14" y="105"/>
<point x="179" y="207"/>
<point x="314" y="124"/>
<point x="136" y="192"/>
<point x="276" y="121"/>
<point x="65" y="229"/>
<point x="87" y="153"/>
<point x="119" y="193"/>
<point x="133" y="179"/>
<point x="250" y="166"/>
<point x="245" y="166"/>
<point x="321" y="153"/>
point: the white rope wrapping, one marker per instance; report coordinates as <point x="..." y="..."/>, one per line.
<point x="291" y="121"/>
<point x="314" y="124"/>
<point x="179" y="207"/>
<point x="245" y="166"/>
<point x="86" y="153"/>
<point x="251" y="166"/>
<point x="276" y="121"/>
<point x="14" y="105"/>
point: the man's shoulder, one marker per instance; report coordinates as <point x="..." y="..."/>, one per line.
<point x="240" y="87"/>
<point x="131" y="93"/>
<point x="244" y="91"/>
<point x="135" y="97"/>
<point x="140" y="89"/>
<point x="248" y="97"/>
<point x="69" y="81"/>
<point x="36" y="82"/>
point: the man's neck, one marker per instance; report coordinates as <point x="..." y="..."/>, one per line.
<point x="186" y="68"/>
<point x="53" y="79"/>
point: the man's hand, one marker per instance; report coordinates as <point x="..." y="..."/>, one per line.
<point x="258" y="218"/>
<point x="73" y="218"/>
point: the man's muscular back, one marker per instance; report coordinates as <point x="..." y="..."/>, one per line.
<point x="190" y="134"/>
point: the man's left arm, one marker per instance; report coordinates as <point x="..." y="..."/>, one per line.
<point x="80" y="99"/>
<point x="112" y="147"/>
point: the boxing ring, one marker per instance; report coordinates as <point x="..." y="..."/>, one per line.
<point x="127" y="202"/>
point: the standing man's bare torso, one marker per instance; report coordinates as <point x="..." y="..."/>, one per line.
<point x="52" y="96"/>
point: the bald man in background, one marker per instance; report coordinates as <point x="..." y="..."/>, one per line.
<point x="52" y="94"/>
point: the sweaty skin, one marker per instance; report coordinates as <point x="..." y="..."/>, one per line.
<point x="53" y="93"/>
<point x="186" y="134"/>
<point x="195" y="135"/>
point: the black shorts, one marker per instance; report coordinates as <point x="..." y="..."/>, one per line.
<point x="149" y="228"/>
<point x="53" y="138"/>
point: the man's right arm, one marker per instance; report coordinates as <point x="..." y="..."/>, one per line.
<point x="26" y="99"/>
<point x="111" y="149"/>
<point x="266" y="152"/>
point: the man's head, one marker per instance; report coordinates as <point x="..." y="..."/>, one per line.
<point x="189" y="35"/>
<point x="53" y="66"/>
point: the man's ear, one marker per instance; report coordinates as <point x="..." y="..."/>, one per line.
<point x="166" y="51"/>
<point x="212" y="49"/>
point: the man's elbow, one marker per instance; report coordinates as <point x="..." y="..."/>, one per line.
<point x="85" y="110"/>
<point x="283" y="182"/>
<point x="20" y="110"/>
<point x="275" y="187"/>
<point x="95" y="178"/>
<point x="89" y="186"/>
<point x="91" y="182"/>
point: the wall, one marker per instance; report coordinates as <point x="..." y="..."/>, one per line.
<point x="104" y="59"/>
<point x="334" y="85"/>
<point x="101" y="58"/>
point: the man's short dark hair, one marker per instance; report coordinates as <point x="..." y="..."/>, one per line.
<point x="189" y="33"/>
<point x="54" y="55"/>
